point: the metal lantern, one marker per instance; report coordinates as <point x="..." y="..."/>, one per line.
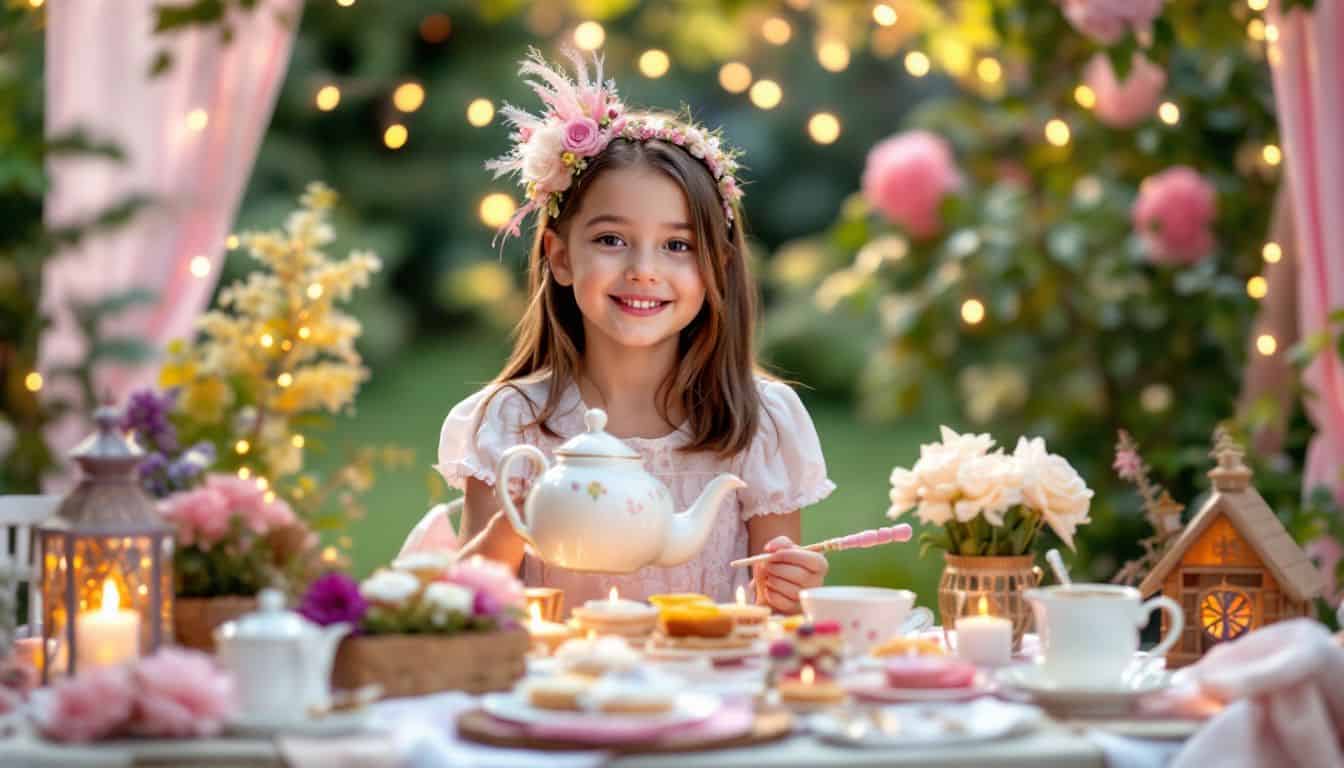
<point x="106" y="583"/>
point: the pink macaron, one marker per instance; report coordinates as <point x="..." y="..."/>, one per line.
<point x="928" y="672"/>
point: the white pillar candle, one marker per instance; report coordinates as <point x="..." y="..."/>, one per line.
<point x="107" y="636"/>
<point x="985" y="640"/>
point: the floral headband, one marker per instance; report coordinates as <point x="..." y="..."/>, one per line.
<point x="582" y="117"/>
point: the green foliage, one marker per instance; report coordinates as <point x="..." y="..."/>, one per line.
<point x="1081" y="334"/>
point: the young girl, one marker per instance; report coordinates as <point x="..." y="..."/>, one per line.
<point x="641" y="304"/>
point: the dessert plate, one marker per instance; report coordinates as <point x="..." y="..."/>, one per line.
<point x="689" y="707"/>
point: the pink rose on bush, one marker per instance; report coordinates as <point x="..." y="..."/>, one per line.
<point x="1122" y="105"/>
<point x="491" y="581"/>
<point x="583" y="137"/>
<point x="1106" y="21"/>
<point x="907" y="176"/>
<point x="203" y="515"/>
<point x="91" y="706"/>
<point x="180" y="694"/>
<point x="1173" y="214"/>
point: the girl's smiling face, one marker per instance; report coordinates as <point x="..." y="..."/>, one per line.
<point x="630" y="255"/>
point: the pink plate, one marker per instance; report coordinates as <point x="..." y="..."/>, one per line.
<point x="875" y="688"/>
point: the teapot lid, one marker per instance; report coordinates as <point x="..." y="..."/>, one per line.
<point x="596" y="442"/>
<point x="270" y="620"/>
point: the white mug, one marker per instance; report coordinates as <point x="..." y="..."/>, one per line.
<point x="1090" y="632"/>
<point x="866" y="615"/>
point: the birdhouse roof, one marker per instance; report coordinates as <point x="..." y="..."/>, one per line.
<point x="1257" y="524"/>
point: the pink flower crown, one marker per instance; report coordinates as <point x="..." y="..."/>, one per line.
<point x="582" y="117"/>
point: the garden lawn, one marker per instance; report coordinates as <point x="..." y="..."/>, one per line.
<point x="405" y="403"/>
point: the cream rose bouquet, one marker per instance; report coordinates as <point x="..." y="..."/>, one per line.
<point x="988" y="502"/>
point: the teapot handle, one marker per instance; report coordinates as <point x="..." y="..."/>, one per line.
<point x="506" y="461"/>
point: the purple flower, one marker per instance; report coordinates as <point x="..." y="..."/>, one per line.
<point x="485" y="604"/>
<point x="333" y="598"/>
<point x="147" y="416"/>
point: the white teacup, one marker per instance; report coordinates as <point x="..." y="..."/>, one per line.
<point x="866" y="615"/>
<point x="1090" y="632"/>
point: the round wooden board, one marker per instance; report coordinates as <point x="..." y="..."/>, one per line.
<point x="477" y="726"/>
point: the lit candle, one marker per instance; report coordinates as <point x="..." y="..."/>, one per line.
<point x="748" y="620"/>
<point x="546" y="635"/>
<point x="985" y="640"/>
<point x="807" y="691"/>
<point x="108" y="636"/>
<point x="630" y="619"/>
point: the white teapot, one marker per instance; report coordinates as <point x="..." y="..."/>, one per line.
<point x="597" y="509"/>
<point x="280" y="661"/>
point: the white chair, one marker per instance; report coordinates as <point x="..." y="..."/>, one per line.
<point x="19" y="516"/>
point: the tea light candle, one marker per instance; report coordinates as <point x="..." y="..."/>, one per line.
<point x="807" y="691"/>
<point x="985" y="640"/>
<point x="108" y="636"/>
<point x="748" y="620"/>
<point x="28" y="652"/>
<point x="546" y="635"/>
<point x="615" y="605"/>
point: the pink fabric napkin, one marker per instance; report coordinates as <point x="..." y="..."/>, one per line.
<point x="1284" y="685"/>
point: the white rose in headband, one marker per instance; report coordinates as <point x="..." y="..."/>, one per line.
<point x="543" y="161"/>
<point x="581" y="118"/>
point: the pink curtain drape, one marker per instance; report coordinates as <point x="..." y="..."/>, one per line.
<point x="189" y="137"/>
<point x="1307" y="63"/>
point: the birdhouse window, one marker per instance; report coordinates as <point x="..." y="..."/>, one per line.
<point x="1225" y="614"/>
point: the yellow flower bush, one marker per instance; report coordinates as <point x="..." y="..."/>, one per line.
<point x="272" y="359"/>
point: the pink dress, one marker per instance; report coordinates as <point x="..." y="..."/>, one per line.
<point x="783" y="468"/>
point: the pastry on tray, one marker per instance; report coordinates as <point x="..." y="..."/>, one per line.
<point x="637" y="691"/>
<point x="924" y="672"/>
<point x="563" y="692"/>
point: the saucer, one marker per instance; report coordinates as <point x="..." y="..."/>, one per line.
<point x="333" y="724"/>
<point x="1089" y="700"/>
<point x="926" y="725"/>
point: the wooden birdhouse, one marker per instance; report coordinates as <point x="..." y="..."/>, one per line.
<point x="1234" y="568"/>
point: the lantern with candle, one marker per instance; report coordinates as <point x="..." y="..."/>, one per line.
<point x="106" y="583"/>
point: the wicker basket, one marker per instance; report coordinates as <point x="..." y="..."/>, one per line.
<point x="1000" y="580"/>
<point x="414" y="665"/>
<point x="195" y="618"/>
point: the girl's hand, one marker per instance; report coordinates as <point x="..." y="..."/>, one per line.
<point x="789" y="570"/>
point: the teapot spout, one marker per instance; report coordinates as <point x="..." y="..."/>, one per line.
<point x="688" y="530"/>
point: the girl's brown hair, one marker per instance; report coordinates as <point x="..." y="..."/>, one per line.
<point x="714" y="385"/>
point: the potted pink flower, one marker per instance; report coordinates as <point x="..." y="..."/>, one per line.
<point x="233" y="538"/>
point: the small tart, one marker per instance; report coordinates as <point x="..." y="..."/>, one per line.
<point x="678" y="598"/>
<point x="695" y="621"/>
